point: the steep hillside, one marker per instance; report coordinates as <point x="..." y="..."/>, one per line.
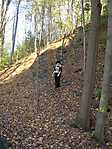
<point x="34" y="117"/>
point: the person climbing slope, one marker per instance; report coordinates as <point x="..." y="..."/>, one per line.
<point x="57" y="73"/>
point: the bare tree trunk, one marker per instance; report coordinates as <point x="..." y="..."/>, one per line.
<point x="1" y="45"/>
<point x="68" y="7"/>
<point x="35" y="30"/>
<point x="14" y="30"/>
<point x="84" y="35"/>
<point x="36" y="68"/>
<point x="106" y="85"/>
<point x="89" y="76"/>
<point x="3" y="20"/>
<point x="72" y="12"/>
<point x="50" y="23"/>
<point x="42" y="25"/>
<point x="1" y="30"/>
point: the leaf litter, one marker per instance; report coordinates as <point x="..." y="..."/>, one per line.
<point x="40" y="120"/>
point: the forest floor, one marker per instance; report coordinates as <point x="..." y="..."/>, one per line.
<point x="39" y="118"/>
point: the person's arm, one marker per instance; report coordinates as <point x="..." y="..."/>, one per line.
<point x="53" y="74"/>
<point x="60" y="71"/>
<point x="53" y="71"/>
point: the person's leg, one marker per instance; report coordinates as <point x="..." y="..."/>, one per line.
<point x="56" y="81"/>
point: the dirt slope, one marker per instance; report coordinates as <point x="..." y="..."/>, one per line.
<point x="42" y="122"/>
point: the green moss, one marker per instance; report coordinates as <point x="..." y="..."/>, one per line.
<point x="103" y="109"/>
<point x="98" y="93"/>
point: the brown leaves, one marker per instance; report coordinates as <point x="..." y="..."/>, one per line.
<point x="30" y="123"/>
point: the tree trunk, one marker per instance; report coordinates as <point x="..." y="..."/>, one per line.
<point x="89" y="76"/>
<point x="14" y="31"/>
<point x="106" y="85"/>
<point x="1" y="45"/>
<point x="3" y="12"/>
<point x="1" y="30"/>
<point x="42" y="25"/>
<point x="84" y="35"/>
<point x="72" y="13"/>
<point x="35" y="31"/>
<point x="49" y="24"/>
